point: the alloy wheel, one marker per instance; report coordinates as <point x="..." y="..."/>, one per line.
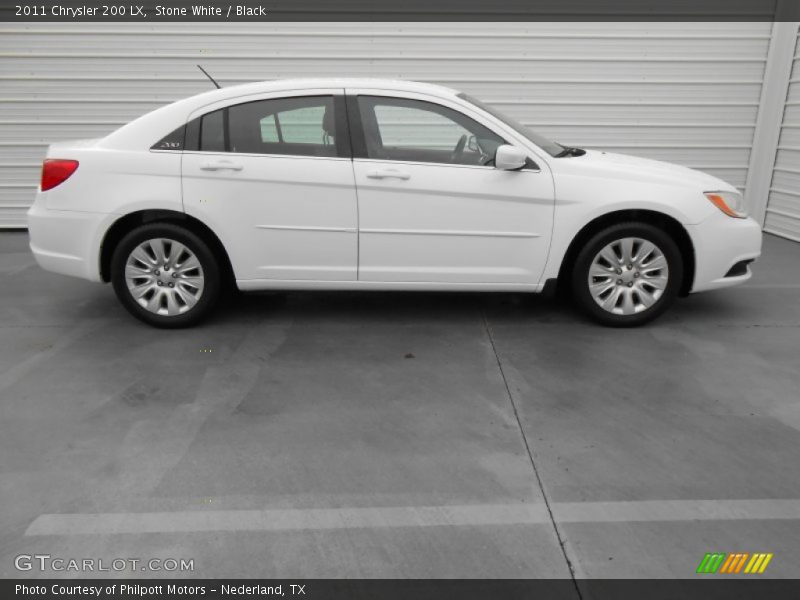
<point x="628" y="276"/>
<point x="164" y="277"/>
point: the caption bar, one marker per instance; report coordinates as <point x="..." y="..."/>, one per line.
<point x="141" y="11"/>
<point x="136" y="590"/>
<point x="401" y="11"/>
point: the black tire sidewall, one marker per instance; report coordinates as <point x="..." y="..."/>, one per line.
<point x="195" y="244"/>
<point x="580" y="273"/>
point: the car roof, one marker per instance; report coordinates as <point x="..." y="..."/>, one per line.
<point x="361" y="82"/>
<point x="161" y="121"/>
<point x="276" y="85"/>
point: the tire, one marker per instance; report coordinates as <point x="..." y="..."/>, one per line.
<point x="184" y="296"/>
<point x="636" y="270"/>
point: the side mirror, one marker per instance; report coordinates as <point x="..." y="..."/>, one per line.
<point x="509" y="158"/>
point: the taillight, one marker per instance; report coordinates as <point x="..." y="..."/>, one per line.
<point x="56" y="171"/>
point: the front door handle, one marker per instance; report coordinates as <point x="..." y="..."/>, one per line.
<point x="220" y="165"/>
<point x="386" y="173"/>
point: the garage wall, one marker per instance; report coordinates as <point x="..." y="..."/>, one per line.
<point x="783" y="207"/>
<point x="682" y="92"/>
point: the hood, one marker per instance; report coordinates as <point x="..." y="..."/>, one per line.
<point x="632" y="168"/>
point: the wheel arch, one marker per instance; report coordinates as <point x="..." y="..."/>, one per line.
<point x="658" y="219"/>
<point x="131" y="221"/>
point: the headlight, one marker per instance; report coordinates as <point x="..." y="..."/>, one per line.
<point x="731" y="203"/>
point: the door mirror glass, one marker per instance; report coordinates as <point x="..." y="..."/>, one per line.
<point x="509" y="158"/>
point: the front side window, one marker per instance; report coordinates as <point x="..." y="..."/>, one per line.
<point x="299" y="126"/>
<point x="552" y="148"/>
<point x="418" y="131"/>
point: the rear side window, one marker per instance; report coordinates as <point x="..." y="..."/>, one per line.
<point x="299" y="126"/>
<point x="212" y="132"/>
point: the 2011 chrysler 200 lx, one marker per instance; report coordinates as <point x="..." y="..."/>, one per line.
<point x="376" y="185"/>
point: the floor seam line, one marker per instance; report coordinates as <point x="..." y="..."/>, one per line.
<point x="529" y="450"/>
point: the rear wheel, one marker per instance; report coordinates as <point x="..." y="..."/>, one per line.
<point x="627" y="274"/>
<point x="165" y="275"/>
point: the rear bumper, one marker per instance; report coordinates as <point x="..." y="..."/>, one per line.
<point x="66" y="242"/>
<point x="720" y="243"/>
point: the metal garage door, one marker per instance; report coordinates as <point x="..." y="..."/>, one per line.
<point x="683" y="92"/>
<point x="783" y="207"/>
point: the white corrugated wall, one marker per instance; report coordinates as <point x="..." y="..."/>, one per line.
<point x="682" y="92"/>
<point x="783" y="207"/>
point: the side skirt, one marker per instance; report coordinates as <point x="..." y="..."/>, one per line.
<point x="422" y="286"/>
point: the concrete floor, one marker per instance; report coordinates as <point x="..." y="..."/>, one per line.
<point x="400" y="435"/>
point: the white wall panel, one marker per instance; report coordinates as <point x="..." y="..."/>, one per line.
<point x="783" y="206"/>
<point x="682" y="92"/>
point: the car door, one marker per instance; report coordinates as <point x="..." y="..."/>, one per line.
<point x="272" y="176"/>
<point x="432" y="207"/>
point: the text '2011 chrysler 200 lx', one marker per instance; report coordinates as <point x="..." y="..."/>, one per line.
<point x="366" y="184"/>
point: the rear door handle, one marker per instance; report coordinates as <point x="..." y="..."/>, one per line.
<point x="386" y="173"/>
<point x="220" y="165"/>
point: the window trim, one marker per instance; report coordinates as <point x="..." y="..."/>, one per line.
<point x="344" y="146"/>
<point x="226" y="130"/>
<point x="358" y="140"/>
<point x="531" y="167"/>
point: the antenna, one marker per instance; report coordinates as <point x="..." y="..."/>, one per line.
<point x="209" y="76"/>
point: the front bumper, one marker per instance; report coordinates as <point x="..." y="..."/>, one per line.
<point x="66" y="242"/>
<point x="720" y="243"/>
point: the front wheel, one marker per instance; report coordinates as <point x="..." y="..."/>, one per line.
<point x="165" y="275"/>
<point x="627" y="274"/>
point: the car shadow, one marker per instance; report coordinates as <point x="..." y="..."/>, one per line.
<point x="709" y="308"/>
<point x="392" y="306"/>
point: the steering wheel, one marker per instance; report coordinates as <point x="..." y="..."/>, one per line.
<point x="459" y="149"/>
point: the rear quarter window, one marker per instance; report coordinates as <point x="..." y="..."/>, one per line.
<point x="174" y="140"/>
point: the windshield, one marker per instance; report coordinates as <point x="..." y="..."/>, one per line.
<point x="552" y="148"/>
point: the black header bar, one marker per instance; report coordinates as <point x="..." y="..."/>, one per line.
<point x="148" y="11"/>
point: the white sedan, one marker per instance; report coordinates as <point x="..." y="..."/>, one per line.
<point x="365" y="184"/>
